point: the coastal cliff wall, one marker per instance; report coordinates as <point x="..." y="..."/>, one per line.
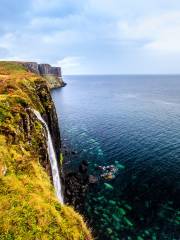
<point x="29" y="208"/>
<point x="52" y="74"/>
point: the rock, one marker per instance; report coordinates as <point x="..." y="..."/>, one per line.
<point x="83" y="168"/>
<point x="32" y="67"/>
<point x="65" y="152"/>
<point x="110" y="167"/>
<point x="128" y="222"/>
<point x="52" y="74"/>
<point x="68" y="192"/>
<point x="108" y="186"/>
<point x="101" y="168"/>
<point x="85" y="162"/>
<point x="73" y="152"/>
<point x="47" y="69"/>
<point x="93" y="179"/>
<point x="120" y="166"/>
<point x="108" y="176"/>
<point x="76" y="186"/>
<point x="112" y="202"/>
<point x="115" y="217"/>
<point x="121" y="211"/>
<point x="109" y="230"/>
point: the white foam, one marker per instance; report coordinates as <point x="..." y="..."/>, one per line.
<point x="53" y="160"/>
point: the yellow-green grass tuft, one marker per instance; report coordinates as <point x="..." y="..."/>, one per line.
<point x="29" y="208"/>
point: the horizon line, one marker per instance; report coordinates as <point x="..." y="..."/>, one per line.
<point x="123" y="74"/>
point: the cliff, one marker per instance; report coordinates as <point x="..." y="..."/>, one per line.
<point x="29" y="208"/>
<point x="52" y="74"/>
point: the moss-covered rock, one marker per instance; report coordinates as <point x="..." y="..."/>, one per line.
<point x="29" y="208"/>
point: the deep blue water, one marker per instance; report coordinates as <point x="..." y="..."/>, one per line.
<point x="132" y="122"/>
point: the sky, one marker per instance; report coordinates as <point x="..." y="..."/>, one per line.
<point x="93" y="36"/>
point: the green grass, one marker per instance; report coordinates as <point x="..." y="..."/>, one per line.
<point x="28" y="206"/>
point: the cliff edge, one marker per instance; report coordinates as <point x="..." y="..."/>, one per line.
<point x="29" y="208"/>
<point x="52" y="74"/>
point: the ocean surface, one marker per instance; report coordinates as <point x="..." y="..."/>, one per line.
<point x="133" y="124"/>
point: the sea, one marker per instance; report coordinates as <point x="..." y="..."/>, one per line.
<point x="128" y="129"/>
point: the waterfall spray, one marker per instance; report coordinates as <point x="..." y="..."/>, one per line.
<point x="53" y="160"/>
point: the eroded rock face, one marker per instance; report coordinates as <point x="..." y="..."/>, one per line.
<point x="52" y="74"/>
<point x="32" y="67"/>
<point x="50" y="115"/>
<point x="46" y="69"/>
<point x="77" y="184"/>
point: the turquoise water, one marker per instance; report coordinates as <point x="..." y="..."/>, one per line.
<point x="133" y="123"/>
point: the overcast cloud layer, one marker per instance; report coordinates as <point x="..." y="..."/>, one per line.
<point x="93" y="36"/>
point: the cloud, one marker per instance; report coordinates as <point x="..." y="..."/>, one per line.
<point x="158" y="33"/>
<point x="70" y="64"/>
<point x="56" y="24"/>
<point x="92" y="36"/>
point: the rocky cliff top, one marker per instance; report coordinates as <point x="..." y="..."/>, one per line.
<point x="43" y="69"/>
<point x="52" y="74"/>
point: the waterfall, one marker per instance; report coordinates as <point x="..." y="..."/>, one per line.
<point x="53" y="160"/>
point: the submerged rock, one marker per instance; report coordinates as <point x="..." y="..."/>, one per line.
<point x="93" y="179"/>
<point x="76" y="186"/>
<point x="110" y="171"/>
<point x="112" y="202"/>
<point x="121" y="211"/>
<point x="108" y="176"/>
<point x="108" y="186"/>
<point x="83" y="167"/>
<point x="128" y="222"/>
<point x="73" y="152"/>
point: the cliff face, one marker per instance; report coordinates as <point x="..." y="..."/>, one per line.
<point x="52" y="74"/>
<point x="49" y="113"/>
<point x="28" y="206"/>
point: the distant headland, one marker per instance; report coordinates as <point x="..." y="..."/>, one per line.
<point x="52" y="74"/>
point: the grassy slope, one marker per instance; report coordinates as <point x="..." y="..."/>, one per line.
<point x="28" y="206"/>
